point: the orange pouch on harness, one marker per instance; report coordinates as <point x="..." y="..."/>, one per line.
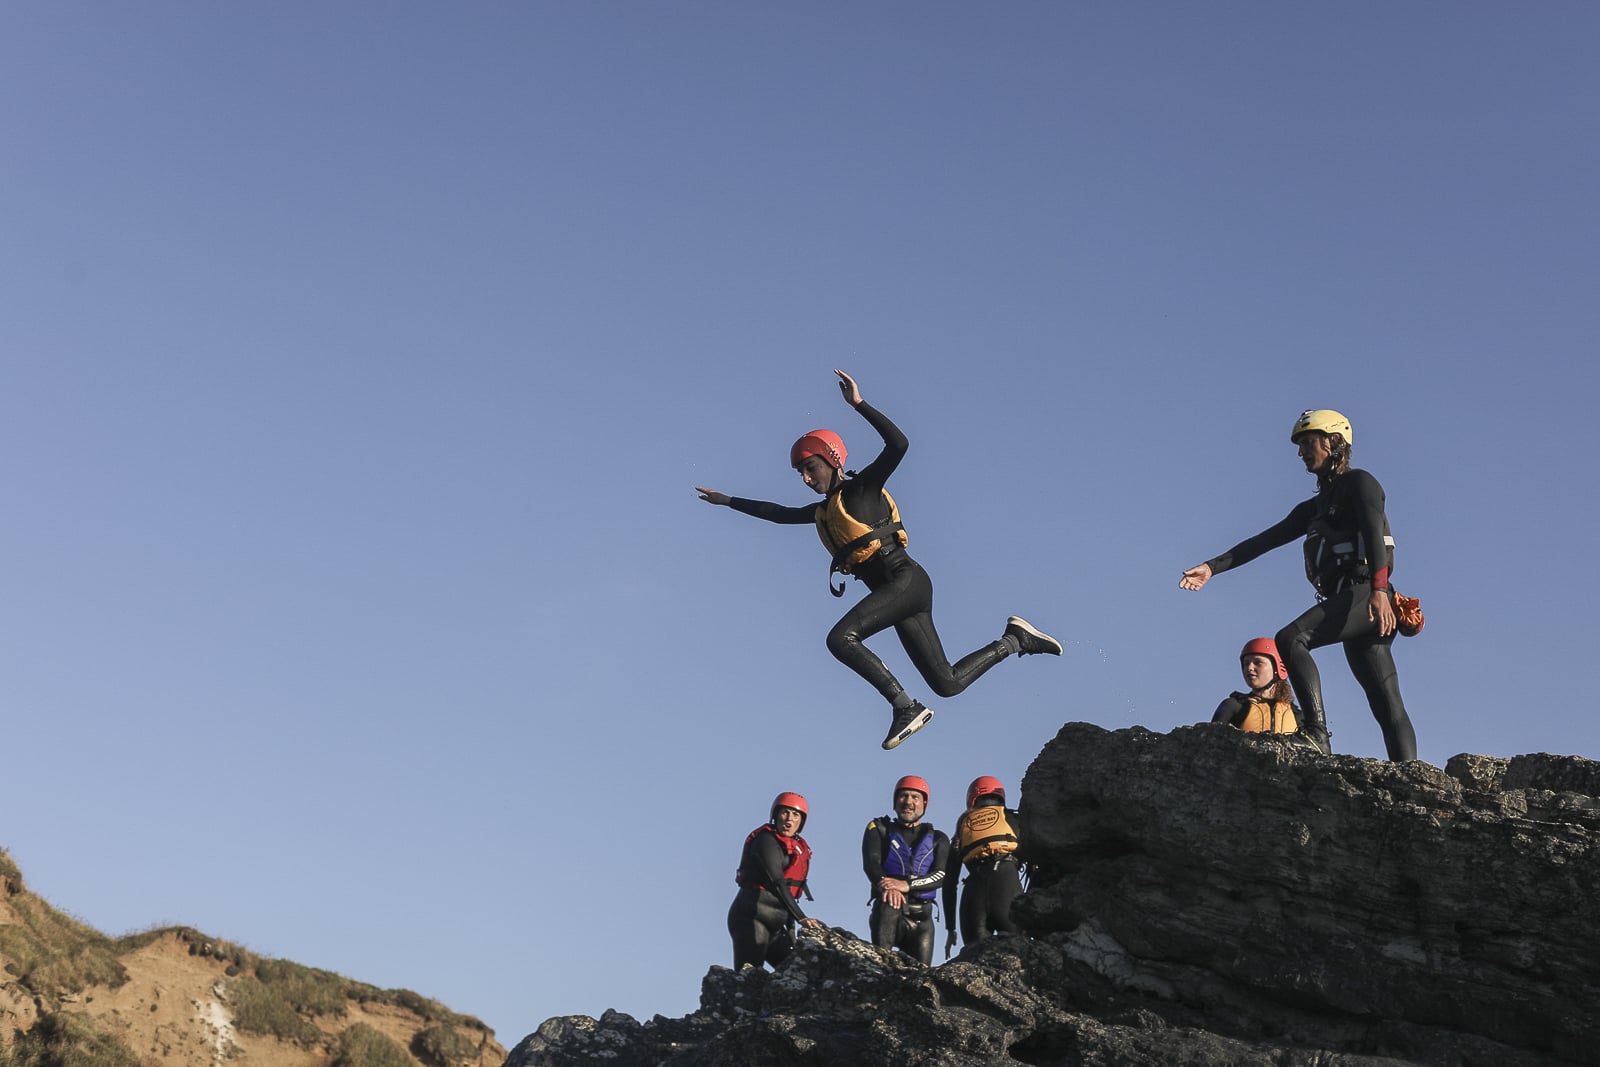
<point x="1408" y="615"/>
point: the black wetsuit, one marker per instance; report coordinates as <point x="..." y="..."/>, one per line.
<point x="991" y="886"/>
<point x="1349" y="507"/>
<point x="900" y="591"/>
<point x="911" y="928"/>
<point x="761" y="920"/>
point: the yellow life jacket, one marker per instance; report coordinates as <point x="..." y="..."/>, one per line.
<point x="1263" y="716"/>
<point x="984" y="832"/>
<point x="838" y="528"/>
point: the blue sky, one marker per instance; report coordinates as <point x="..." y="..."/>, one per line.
<point x="359" y="363"/>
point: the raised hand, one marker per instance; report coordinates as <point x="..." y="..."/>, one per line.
<point x="847" y="386"/>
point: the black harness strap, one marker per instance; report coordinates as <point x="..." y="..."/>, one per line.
<point x="881" y="532"/>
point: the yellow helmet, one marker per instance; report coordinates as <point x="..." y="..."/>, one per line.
<point x="1323" y="420"/>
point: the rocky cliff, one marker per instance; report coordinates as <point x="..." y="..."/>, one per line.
<point x="1208" y="897"/>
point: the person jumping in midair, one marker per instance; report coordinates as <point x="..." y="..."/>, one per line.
<point x="860" y="526"/>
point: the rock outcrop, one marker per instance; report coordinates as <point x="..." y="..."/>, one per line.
<point x="1208" y="897"/>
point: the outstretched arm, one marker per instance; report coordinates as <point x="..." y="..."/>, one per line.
<point x="760" y="509"/>
<point x="1278" y="534"/>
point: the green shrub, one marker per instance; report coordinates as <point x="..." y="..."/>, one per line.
<point x="10" y="871"/>
<point x="65" y="1039"/>
<point x="310" y="990"/>
<point x="262" y="1009"/>
<point x="443" y="1046"/>
<point x="53" y="952"/>
<point x="364" y="1046"/>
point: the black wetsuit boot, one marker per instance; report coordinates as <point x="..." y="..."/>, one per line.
<point x="1315" y="726"/>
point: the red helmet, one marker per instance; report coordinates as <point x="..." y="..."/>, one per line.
<point x="985" y="786"/>
<point x="911" y="781"/>
<point x="1265" y="646"/>
<point x="824" y="443"/>
<point x="790" y="800"/>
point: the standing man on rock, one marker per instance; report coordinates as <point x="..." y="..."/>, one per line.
<point x="906" y="862"/>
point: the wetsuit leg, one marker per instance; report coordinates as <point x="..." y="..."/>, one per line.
<point x="898" y="596"/>
<point x="916" y="933"/>
<point x="756" y="922"/>
<point x="1342" y="619"/>
<point x="885" y="924"/>
<point x="1005" y="886"/>
<point x="903" y="598"/>
<point x="921" y="642"/>
<point x="1311" y="630"/>
<point x="986" y="901"/>
<point x="1372" y="662"/>
<point x="974" y="909"/>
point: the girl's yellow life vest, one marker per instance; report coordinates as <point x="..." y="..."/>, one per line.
<point x="1263" y="716"/>
<point x="984" y="832"/>
<point x="837" y="528"/>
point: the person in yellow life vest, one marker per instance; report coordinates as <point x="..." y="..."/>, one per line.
<point x="772" y="875"/>
<point x="1268" y="707"/>
<point x="860" y="527"/>
<point x="986" y="843"/>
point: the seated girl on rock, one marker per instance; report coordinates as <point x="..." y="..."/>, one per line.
<point x="1268" y="707"/>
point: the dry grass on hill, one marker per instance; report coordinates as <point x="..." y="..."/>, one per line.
<point x="72" y="997"/>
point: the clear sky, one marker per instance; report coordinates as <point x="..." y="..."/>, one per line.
<point x="359" y="362"/>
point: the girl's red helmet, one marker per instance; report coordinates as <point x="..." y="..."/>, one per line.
<point x="985" y="786"/>
<point x="1265" y="646"/>
<point x="824" y="443"/>
<point x="790" y="800"/>
<point x="911" y="781"/>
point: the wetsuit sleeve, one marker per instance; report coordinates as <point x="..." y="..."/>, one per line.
<point x="1367" y="496"/>
<point x="952" y="882"/>
<point x="895" y="443"/>
<point x="769" y="854"/>
<point x="1228" y="710"/>
<point x="782" y="513"/>
<point x="1291" y="526"/>
<point x="872" y="852"/>
<point x="938" y="871"/>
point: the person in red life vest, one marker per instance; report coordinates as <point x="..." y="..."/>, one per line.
<point x="1267" y="707"/>
<point x="1349" y="556"/>
<point x="771" y="876"/>
<point x="860" y="527"/>
<point x="905" y="859"/>
<point x="986" y="843"/>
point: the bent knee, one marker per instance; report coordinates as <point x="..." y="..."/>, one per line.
<point x="1291" y="637"/>
<point x="842" y="640"/>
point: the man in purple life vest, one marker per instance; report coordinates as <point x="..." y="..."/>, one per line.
<point x="905" y="860"/>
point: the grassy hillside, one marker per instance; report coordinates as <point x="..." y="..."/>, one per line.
<point x="72" y="997"/>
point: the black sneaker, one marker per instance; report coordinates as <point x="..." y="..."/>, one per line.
<point x="907" y="722"/>
<point x="1029" y="639"/>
